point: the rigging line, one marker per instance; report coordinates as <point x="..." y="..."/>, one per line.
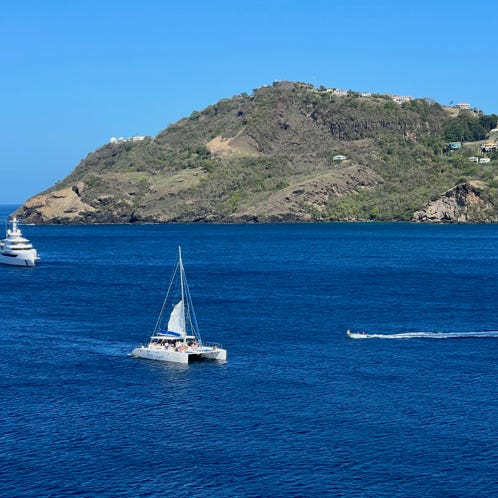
<point x="192" y="316"/>
<point x="159" y="318"/>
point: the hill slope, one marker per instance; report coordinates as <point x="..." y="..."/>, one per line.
<point x="270" y="157"/>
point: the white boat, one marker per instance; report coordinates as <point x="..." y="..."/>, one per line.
<point x="178" y="340"/>
<point x="15" y="249"/>
<point x="357" y="335"/>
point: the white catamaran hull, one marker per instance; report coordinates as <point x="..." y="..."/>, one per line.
<point x="21" y="258"/>
<point x="170" y="355"/>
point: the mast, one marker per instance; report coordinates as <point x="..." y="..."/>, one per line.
<point x="15" y="228"/>
<point x="181" y="271"/>
<point x="182" y="285"/>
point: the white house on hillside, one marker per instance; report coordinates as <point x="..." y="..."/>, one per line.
<point x="136" y="138"/>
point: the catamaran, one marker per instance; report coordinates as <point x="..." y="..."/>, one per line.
<point x="15" y="249"/>
<point x="179" y="339"/>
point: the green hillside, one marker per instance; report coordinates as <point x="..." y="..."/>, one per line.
<point x="269" y="156"/>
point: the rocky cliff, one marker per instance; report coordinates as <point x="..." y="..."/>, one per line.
<point x="462" y="204"/>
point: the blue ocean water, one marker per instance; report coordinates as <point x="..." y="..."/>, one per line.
<point x="298" y="409"/>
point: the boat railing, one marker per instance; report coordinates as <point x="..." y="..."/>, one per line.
<point x="212" y="345"/>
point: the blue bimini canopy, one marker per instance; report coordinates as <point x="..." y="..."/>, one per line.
<point x="169" y="333"/>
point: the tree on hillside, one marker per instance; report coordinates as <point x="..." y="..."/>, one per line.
<point x="467" y="127"/>
<point x="489" y="121"/>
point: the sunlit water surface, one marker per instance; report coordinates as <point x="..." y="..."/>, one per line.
<point x="298" y="409"/>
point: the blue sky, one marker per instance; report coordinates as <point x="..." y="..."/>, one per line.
<point x="77" y="72"/>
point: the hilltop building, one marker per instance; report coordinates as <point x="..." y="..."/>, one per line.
<point x="489" y="147"/>
<point x="400" y="99"/>
<point x="137" y="138"/>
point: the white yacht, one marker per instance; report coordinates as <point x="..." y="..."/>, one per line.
<point x="15" y="249"/>
<point x="178" y="339"/>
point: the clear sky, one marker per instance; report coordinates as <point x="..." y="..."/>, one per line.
<point x="77" y="72"/>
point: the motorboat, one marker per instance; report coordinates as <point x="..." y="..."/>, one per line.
<point x="357" y="335"/>
<point x="15" y="249"/>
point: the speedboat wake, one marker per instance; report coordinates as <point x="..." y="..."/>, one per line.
<point x="427" y="335"/>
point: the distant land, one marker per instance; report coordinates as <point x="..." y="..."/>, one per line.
<point x="291" y="152"/>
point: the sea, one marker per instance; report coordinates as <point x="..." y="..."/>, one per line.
<point x="298" y="410"/>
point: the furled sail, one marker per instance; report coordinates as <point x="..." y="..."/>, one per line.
<point x="176" y="324"/>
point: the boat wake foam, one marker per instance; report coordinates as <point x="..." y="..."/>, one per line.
<point x="429" y="335"/>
